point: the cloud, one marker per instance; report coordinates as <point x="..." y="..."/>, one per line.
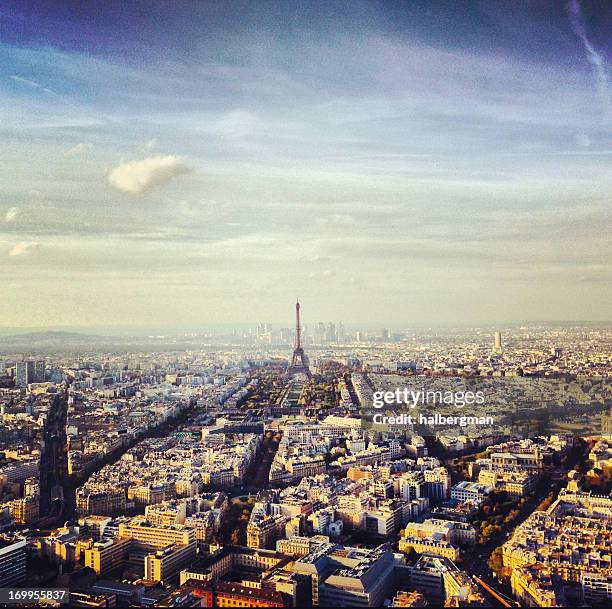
<point x="322" y="275"/>
<point x="583" y="140"/>
<point x="24" y="248"/>
<point x="234" y="125"/>
<point x="150" y="145"/>
<point x="11" y="214"/>
<point x="136" y="177"/>
<point x="31" y="83"/>
<point x="595" y="58"/>
<point x="336" y="220"/>
<point x="78" y="149"/>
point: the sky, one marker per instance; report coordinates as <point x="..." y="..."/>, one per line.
<point x="170" y="164"/>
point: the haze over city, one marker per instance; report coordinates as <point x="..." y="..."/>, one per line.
<point x="204" y="163"/>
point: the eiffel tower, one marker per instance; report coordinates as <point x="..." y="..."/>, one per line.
<point x="299" y="361"/>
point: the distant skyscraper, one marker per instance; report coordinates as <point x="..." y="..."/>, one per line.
<point x="385" y="334"/>
<point x="341" y="332"/>
<point x="39" y="371"/>
<point x="29" y="371"/>
<point x="24" y="373"/>
<point x="332" y="337"/>
<point x="498" y="341"/>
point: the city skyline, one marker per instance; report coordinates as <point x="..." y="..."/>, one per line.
<point x="393" y="164"/>
<point x="369" y="329"/>
<point x="173" y="463"/>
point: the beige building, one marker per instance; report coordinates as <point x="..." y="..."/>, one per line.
<point x="459" y="533"/>
<point x="300" y="546"/>
<point x="156" y="536"/>
<point x="24" y="510"/>
<point x="516" y="483"/>
<point x="531" y="460"/>
<point x="166" y="513"/>
<point x="161" y="551"/>
<point x="437" y="547"/>
<point x="104" y="557"/>
<point x="109" y="502"/>
<point x="532" y="587"/>
<point x="571" y="539"/>
<point x="263" y="532"/>
<point x="163" y="564"/>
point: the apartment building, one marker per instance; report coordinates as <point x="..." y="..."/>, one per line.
<point x="12" y="560"/>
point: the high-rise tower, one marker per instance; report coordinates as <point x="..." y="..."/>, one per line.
<point x="24" y="373"/>
<point x="299" y="361"/>
<point x="497" y="344"/>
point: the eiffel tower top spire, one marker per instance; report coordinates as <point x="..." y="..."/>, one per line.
<point x="298" y="327"/>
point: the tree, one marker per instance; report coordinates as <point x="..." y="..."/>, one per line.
<point x="496" y="561"/>
<point x="546" y="502"/>
<point x="513" y="515"/>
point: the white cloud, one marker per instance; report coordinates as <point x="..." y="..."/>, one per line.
<point x="150" y="145"/>
<point x="23" y="248"/>
<point x="583" y="140"/>
<point x="594" y="57"/>
<point x="11" y="214"/>
<point x="235" y="125"/>
<point x="31" y="83"/>
<point x="136" y="177"/>
<point x="78" y="149"/>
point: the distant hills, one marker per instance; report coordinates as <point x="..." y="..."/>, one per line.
<point x="51" y="337"/>
<point x="48" y="341"/>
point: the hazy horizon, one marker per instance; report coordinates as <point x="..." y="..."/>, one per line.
<point x="117" y="330"/>
<point x="199" y="164"/>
